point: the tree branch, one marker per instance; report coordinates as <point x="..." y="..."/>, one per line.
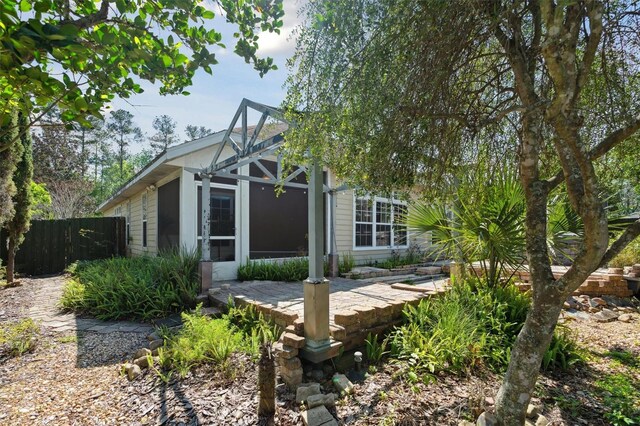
<point x="90" y="20"/>
<point x="623" y="240"/>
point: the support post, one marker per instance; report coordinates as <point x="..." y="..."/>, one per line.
<point x="316" y="287"/>
<point x="206" y="265"/>
<point x="333" y="245"/>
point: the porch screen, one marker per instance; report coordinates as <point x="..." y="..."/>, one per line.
<point x="169" y="215"/>
<point x="222" y="226"/>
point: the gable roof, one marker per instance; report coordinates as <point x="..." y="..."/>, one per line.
<point x="157" y="168"/>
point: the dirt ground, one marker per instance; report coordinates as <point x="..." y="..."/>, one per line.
<point x="75" y="379"/>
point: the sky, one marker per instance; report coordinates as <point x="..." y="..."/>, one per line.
<point x="215" y="98"/>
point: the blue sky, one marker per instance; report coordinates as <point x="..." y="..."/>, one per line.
<point x="215" y="98"/>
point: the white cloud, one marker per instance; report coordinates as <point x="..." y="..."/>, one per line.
<point x="283" y="43"/>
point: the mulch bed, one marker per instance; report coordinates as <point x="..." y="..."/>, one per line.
<point x="76" y="379"/>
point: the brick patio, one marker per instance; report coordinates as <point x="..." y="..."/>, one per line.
<point x="357" y="308"/>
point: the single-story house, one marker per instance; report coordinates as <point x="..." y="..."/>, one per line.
<point x="248" y="219"/>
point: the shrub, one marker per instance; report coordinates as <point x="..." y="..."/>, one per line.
<point x="206" y="340"/>
<point x="627" y="257"/>
<point x="294" y="269"/>
<point x="18" y="338"/>
<point x="346" y="263"/>
<point x="139" y="287"/>
<point x="473" y="325"/>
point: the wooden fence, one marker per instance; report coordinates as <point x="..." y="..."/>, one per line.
<point x="52" y="245"/>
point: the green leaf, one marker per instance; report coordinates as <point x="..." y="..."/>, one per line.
<point x="207" y="14"/>
<point x="25" y="5"/>
<point x="166" y="60"/>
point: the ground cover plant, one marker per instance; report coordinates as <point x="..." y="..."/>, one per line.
<point x="138" y="288"/>
<point x="472" y="326"/>
<point x="627" y="257"/>
<point x="18" y="338"/>
<point x="213" y="340"/>
<point x="289" y="270"/>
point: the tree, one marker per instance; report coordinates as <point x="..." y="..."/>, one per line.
<point x="79" y="55"/>
<point x="401" y="94"/>
<point x="71" y="198"/>
<point x="22" y="199"/>
<point x="41" y="206"/>
<point x="124" y="131"/>
<point x="165" y="135"/>
<point x="8" y="159"/>
<point x="196" y="132"/>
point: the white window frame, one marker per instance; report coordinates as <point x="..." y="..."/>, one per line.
<point x="128" y="222"/>
<point x="374" y="223"/>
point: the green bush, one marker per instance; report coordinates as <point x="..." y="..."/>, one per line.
<point x="471" y="326"/>
<point x="294" y="269"/>
<point x="206" y="340"/>
<point x="18" y="338"/>
<point x="139" y="287"/>
<point x="627" y="257"/>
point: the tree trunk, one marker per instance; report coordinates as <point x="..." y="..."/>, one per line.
<point x="11" y="259"/>
<point x="266" y="383"/>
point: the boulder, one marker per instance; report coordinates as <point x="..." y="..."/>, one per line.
<point x="155" y="344"/>
<point x="532" y="411"/>
<point x="132" y="371"/>
<point x="142" y="352"/>
<point x="625" y="318"/>
<point x="142" y="362"/>
<point x="606" y="315"/>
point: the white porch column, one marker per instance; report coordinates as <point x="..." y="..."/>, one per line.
<point x="189" y="205"/>
<point x="242" y="235"/>
<point x="316" y="287"/>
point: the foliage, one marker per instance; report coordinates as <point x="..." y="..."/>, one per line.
<point x="138" y="287"/>
<point x="346" y="263"/>
<point x="165" y="135"/>
<point x="472" y="326"/>
<point x="412" y="256"/>
<point x="41" y="207"/>
<point x="18" y="338"/>
<point x="201" y="339"/>
<point x="196" y="132"/>
<point x="205" y="340"/>
<point x="375" y="349"/>
<point x="80" y="55"/>
<point x="124" y="131"/>
<point x="630" y="255"/>
<point x="22" y="200"/>
<point x="8" y="158"/>
<point x="294" y="269"/>
<point x="621" y="394"/>
<point x="488" y="230"/>
<point x="252" y="324"/>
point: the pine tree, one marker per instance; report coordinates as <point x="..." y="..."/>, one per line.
<point x="22" y="198"/>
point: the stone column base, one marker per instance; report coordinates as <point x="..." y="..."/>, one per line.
<point x="205" y="271"/>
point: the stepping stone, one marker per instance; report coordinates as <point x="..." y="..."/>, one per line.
<point x="318" y="416"/>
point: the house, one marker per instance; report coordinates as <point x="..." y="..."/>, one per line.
<point x="248" y="218"/>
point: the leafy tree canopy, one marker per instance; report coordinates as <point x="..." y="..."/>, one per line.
<point x="80" y="55"/>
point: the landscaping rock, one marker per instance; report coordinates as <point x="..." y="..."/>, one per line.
<point x="142" y="353"/>
<point x="318" y="416"/>
<point x="142" y="362"/>
<point x="486" y="419"/>
<point x="156" y="344"/>
<point x="606" y="315"/>
<point x="153" y="336"/>
<point x="328" y="400"/>
<point x="132" y="370"/>
<point x="576" y="315"/>
<point x="542" y="421"/>
<point x="625" y="318"/>
<point x="342" y="384"/>
<point x="597" y="301"/>
<point x="305" y="391"/>
<point x="466" y="423"/>
<point x="532" y="411"/>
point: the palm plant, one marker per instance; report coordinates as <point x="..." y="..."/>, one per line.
<point x="488" y="230"/>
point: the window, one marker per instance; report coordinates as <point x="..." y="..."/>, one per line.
<point x="380" y="222"/>
<point x="144" y="220"/>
